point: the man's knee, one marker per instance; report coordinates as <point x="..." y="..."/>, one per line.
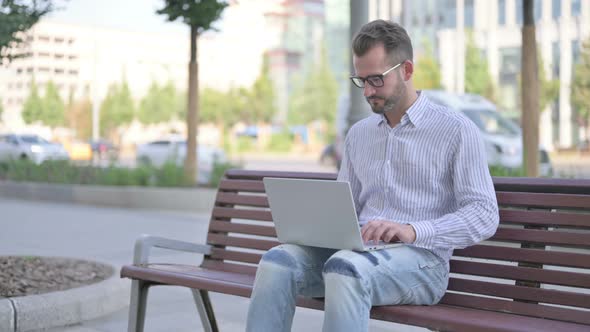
<point x="341" y="266"/>
<point x="279" y="256"/>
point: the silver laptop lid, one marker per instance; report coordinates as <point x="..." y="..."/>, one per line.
<point x="318" y="213"/>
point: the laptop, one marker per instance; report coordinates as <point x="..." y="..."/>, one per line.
<point x="318" y="213"/>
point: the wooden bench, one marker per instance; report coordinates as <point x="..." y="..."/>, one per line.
<point x="533" y="275"/>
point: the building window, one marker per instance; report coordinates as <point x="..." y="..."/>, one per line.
<point x="556" y="59"/>
<point x="538" y="10"/>
<point x="501" y="12"/>
<point x="575" y="52"/>
<point x="72" y="57"/>
<point x="19" y="70"/>
<point x="43" y="69"/>
<point x="73" y="72"/>
<point x="59" y="56"/>
<point x="43" y="54"/>
<point x="556" y="9"/>
<point x="469" y="14"/>
<point x="30" y="70"/>
<point x="58" y="71"/>
<point x="58" y="40"/>
<point x="44" y="38"/>
<point x="520" y="11"/>
<point x="576" y="7"/>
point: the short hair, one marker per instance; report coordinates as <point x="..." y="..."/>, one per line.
<point x="393" y="36"/>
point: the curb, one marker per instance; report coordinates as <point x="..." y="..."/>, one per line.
<point x="68" y="307"/>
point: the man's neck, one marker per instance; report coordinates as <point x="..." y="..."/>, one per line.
<point x="394" y="116"/>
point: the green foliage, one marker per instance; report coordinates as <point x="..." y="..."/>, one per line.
<point x="316" y="98"/>
<point x="477" y="76"/>
<point x="262" y="95"/>
<point x="200" y="14"/>
<point x="53" y="114"/>
<point x="1" y="109"/>
<point x="581" y="84"/>
<point x="117" y="109"/>
<point x="18" y="16"/>
<point x="33" y="106"/>
<point x="427" y="71"/>
<point x="219" y="169"/>
<point x="503" y="171"/>
<point x="244" y="143"/>
<point x="217" y="107"/>
<point x="160" y="104"/>
<point x="280" y="142"/>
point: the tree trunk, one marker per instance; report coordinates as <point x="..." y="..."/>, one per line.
<point x="530" y="92"/>
<point x="190" y="162"/>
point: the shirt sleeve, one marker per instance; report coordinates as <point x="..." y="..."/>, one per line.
<point x="476" y="218"/>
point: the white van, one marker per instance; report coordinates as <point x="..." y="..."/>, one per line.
<point x="502" y="137"/>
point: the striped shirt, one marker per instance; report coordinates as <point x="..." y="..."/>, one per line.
<point x="429" y="171"/>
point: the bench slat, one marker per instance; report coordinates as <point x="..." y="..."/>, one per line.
<point x="520" y="292"/>
<point x="241" y="185"/>
<point x="240" y="199"/>
<point x="226" y="226"/>
<point x="546" y="218"/>
<point x="226" y="212"/>
<point x="238" y="256"/>
<point x="511" y="272"/>
<point x="259" y="175"/>
<point x="232" y="241"/>
<point x="541" y="200"/>
<point x="542" y="236"/>
<point x="228" y="267"/>
<point x="526" y="255"/>
<point x="521" y="308"/>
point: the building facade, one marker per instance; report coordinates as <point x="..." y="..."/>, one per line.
<point x="561" y="27"/>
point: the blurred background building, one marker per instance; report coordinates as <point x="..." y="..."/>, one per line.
<point x="85" y="60"/>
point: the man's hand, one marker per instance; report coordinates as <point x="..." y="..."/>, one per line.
<point x="387" y="231"/>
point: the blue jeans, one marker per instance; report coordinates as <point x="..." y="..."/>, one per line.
<point x="351" y="283"/>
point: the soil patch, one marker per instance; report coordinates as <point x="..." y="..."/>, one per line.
<point x="28" y="275"/>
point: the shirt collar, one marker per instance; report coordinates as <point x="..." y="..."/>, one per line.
<point x="414" y="114"/>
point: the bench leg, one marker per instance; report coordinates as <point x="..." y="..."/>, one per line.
<point x="205" y="310"/>
<point x="139" y="293"/>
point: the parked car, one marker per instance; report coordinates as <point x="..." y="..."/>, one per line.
<point x="502" y="137"/>
<point x="31" y="147"/>
<point x="157" y="153"/>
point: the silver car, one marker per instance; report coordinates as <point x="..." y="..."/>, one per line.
<point x="173" y="150"/>
<point x="30" y="147"/>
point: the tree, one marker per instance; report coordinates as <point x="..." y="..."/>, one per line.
<point x="262" y="96"/>
<point x="530" y="91"/>
<point x="427" y="74"/>
<point x="17" y="16"/>
<point x="79" y="115"/>
<point x="581" y="87"/>
<point x="53" y="108"/>
<point x="117" y="109"/>
<point x="198" y="16"/>
<point x="477" y="75"/>
<point x="549" y="88"/>
<point x="33" y="106"/>
<point x="317" y="97"/>
<point x="159" y="105"/>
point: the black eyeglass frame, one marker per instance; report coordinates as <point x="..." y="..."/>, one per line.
<point x="374" y="80"/>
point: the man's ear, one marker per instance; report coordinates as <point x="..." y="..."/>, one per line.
<point x="408" y="68"/>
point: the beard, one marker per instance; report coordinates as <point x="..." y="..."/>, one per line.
<point x="390" y="102"/>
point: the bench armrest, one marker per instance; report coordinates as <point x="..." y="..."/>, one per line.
<point x="145" y="243"/>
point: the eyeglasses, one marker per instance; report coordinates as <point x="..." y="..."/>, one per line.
<point x="374" y="80"/>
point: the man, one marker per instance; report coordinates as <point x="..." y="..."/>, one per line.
<point x="418" y="174"/>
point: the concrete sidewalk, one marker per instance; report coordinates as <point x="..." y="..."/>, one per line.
<point x="107" y="234"/>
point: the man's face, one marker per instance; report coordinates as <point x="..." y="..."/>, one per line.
<point x="389" y="96"/>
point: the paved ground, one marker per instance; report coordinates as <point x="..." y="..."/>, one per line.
<point x="105" y="234"/>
